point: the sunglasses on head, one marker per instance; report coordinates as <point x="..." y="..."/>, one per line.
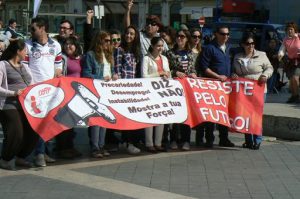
<point x="196" y="36"/>
<point x="224" y="33"/>
<point x="116" y="39"/>
<point x="181" y="36"/>
<point x="150" y="22"/>
<point x="249" y="43"/>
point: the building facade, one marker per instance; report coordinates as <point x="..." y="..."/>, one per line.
<point x="171" y="12"/>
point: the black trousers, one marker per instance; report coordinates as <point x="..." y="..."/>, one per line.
<point x="205" y="129"/>
<point x="182" y="130"/>
<point x="19" y="138"/>
<point x="223" y="132"/>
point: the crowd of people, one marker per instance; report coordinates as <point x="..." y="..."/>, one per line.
<point x="154" y="51"/>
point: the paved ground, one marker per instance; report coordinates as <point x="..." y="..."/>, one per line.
<point x="272" y="172"/>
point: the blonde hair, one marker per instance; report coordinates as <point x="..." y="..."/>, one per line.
<point x="97" y="47"/>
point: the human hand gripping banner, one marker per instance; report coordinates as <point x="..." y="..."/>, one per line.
<point x="63" y="103"/>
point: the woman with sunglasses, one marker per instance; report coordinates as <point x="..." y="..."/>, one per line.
<point x="196" y="37"/>
<point x="255" y="65"/>
<point x="19" y="138"/>
<point x="181" y="62"/>
<point x="155" y="65"/>
<point x="98" y="64"/>
<point x="127" y="66"/>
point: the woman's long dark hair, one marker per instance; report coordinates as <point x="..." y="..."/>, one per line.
<point x="133" y="47"/>
<point x="12" y="49"/>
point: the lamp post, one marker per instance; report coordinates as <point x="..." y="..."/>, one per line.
<point x="28" y="17"/>
<point x="99" y="10"/>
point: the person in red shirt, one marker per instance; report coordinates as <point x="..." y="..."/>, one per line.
<point x="291" y="47"/>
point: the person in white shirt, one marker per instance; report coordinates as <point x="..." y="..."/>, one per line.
<point x="155" y="65"/>
<point x="45" y="62"/>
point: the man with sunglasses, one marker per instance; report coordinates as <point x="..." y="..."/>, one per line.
<point x="215" y="62"/>
<point x="45" y="62"/>
<point x="151" y="29"/>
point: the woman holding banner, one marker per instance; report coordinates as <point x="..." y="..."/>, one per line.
<point x="72" y="55"/>
<point x="255" y="65"/>
<point x="155" y="65"/>
<point x="98" y="64"/>
<point x="181" y="62"/>
<point x="128" y="66"/>
<point x="19" y="138"/>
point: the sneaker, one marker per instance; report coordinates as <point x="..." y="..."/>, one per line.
<point x="104" y="152"/>
<point x="131" y="149"/>
<point x="48" y="159"/>
<point x="21" y="162"/>
<point x="186" y="146"/>
<point x="6" y="165"/>
<point x="40" y="160"/>
<point x="173" y="145"/>
<point x="97" y="154"/>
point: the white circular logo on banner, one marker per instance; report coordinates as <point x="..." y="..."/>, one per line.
<point x="41" y="99"/>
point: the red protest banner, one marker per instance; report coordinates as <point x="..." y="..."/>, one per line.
<point x="63" y="103"/>
<point x="237" y="104"/>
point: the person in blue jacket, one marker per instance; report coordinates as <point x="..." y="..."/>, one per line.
<point x="215" y="62"/>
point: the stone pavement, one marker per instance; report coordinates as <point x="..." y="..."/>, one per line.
<point x="271" y="172"/>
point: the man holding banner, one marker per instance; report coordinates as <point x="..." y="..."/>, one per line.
<point x="45" y="62"/>
<point x="215" y="62"/>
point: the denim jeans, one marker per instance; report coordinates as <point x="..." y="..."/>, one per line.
<point x="40" y="147"/>
<point x="97" y="138"/>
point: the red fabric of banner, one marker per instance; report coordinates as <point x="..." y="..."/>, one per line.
<point x="237" y="104"/>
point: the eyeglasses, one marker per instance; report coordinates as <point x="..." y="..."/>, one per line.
<point x="224" y="33"/>
<point x="181" y="36"/>
<point x="115" y="40"/>
<point x="249" y="43"/>
<point x="196" y="36"/>
<point x="107" y="40"/>
<point x="64" y="28"/>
